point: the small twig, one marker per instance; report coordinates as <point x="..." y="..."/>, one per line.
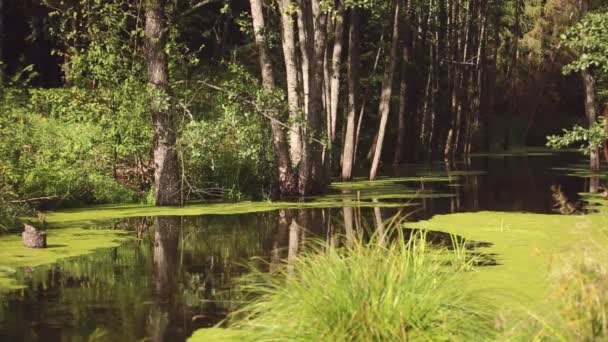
<point x="196" y="8"/>
<point x="258" y="109"/>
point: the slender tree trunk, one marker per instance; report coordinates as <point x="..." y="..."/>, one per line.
<point x="606" y="130"/>
<point x="305" y="39"/>
<point x="590" y="98"/>
<point x="287" y="180"/>
<point x="387" y="90"/>
<point x="403" y="91"/>
<point x="1" y="41"/>
<point x="166" y="167"/>
<point x="291" y="68"/>
<point x="312" y="177"/>
<point x="348" y="152"/>
<point x="336" y="64"/>
<point x="591" y="113"/>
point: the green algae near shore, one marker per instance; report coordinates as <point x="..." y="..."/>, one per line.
<point x="361" y="193"/>
<point x="523" y="245"/>
<point x="63" y="243"/>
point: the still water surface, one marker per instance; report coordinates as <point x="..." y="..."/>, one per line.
<point x="177" y="275"/>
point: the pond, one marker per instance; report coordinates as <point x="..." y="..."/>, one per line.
<point x="172" y="272"/>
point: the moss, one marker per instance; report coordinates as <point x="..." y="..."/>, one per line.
<point x="362" y="193"/>
<point x="95" y="213"/>
<point x="363" y="183"/>
<point x="63" y="243"/>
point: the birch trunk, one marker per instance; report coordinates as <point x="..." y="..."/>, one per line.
<point x="336" y="65"/>
<point x="348" y="152"/>
<point x="387" y="89"/>
<point x="291" y="71"/>
<point x="287" y="181"/>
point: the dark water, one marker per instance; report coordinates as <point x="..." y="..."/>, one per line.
<point x="177" y="276"/>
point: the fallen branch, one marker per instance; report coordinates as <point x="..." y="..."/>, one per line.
<point x="36" y="199"/>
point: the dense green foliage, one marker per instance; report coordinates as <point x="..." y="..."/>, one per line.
<point x="87" y="136"/>
<point x="588" y="39"/>
<point x="589" y="138"/>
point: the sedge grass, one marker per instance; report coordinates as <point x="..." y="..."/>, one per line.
<point x="402" y="290"/>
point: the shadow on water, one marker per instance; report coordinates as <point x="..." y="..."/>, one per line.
<point x="176" y="275"/>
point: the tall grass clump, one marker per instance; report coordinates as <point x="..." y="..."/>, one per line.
<point x="580" y="299"/>
<point x="403" y="290"/>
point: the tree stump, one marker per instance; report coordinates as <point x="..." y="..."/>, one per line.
<point x="32" y="238"/>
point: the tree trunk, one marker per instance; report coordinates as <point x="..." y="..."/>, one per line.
<point x="403" y="95"/>
<point x="312" y="178"/>
<point x="387" y="89"/>
<point x="591" y="113"/>
<point x="304" y="16"/>
<point x="287" y="181"/>
<point x="336" y="64"/>
<point x="291" y="68"/>
<point x="1" y="41"/>
<point x="348" y="152"/>
<point x="590" y="98"/>
<point x="606" y="131"/>
<point x="166" y="167"/>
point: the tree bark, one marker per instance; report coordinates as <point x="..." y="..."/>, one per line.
<point x="291" y="68"/>
<point x="348" y="152"/>
<point x="590" y="98"/>
<point x="166" y="171"/>
<point x="1" y="41"/>
<point x="312" y="178"/>
<point x="606" y="130"/>
<point x="591" y="113"/>
<point x="304" y="16"/>
<point x="403" y="96"/>
<point x="336" y="65"/>
<point x="287" y="181"/>
<point x="387" y="89"/>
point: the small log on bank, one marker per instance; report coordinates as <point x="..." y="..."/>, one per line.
<point x="32" y="238"/>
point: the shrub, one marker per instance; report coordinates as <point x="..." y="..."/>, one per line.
<point x="367" y="292"/>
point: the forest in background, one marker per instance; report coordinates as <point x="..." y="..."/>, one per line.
<point x="114" y="101"/>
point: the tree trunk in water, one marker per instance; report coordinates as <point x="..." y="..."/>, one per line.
<point x="1" y="41"/>
<point x="311" y="169"/>
<point x="291" y="68"/>
<point x="305" y="39"/>
<point x="336" y="64"/>
<point x="287" y="181"/>
<point x="166" y="167"/>
<point x="348" y="152"/>
<point x="606" y="130"/>
<point x="403" y="105"/>
<point x="166" y="242"/>
<point x="591" y="113"/>
<point x="387" y="89"/>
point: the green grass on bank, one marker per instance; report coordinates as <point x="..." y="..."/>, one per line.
<point x="397" y="291"/>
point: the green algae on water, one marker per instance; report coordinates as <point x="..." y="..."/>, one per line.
<point x="62" y="243"/>
<point x="523" y="244"/>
